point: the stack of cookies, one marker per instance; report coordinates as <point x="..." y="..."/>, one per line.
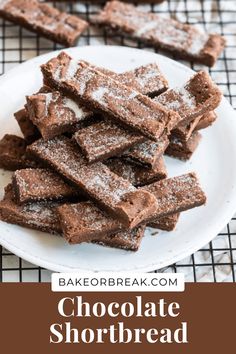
<point x="90" y="166"/>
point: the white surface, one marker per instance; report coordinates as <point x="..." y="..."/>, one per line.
<point x="213" y="162"/>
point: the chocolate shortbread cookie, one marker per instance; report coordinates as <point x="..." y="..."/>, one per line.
<point x="136" y="174"/>
<point x="112" y="192"/>
<point x="38" y="184"/>
<point x="183" y="40"/>
<point x="44" y="20"/>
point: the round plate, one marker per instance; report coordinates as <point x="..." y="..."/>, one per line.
<point x="214" y="162"/>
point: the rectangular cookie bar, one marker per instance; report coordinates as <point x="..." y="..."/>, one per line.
<point x="146" y="79"/>
<point x="112" y="192"/>
<point x="183" y="40"/>
<point x="43" y="217"/>
<point x="41" y="184"/>
<point x="34" y="216"/>
<point x="54" y="114"/>
<point x="104" y="95"/>
<point x="137" y="175"/>
<point x="28" y="129"/>
<point x="147" y="153"/>
<point x="83" y="222"/>
<point x="13" y="155"/>
<point x="105" y="139"/>
<point x="190" y="106"/>
<point x="166" y="223"/>
<point x="176" y="194"/>
<point x="127" y="240"/>
<point x="44" y="20"/>
<point x="86" y="220"/>
<point x="197" y="97"/>
<point x="183" y="150"/>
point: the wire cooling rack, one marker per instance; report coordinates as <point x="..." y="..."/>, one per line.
<point x="217" y="261"/>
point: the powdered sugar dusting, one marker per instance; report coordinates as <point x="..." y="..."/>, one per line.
<point x="155" y="29"/>
<point x="148" y="151"/>
<point x="132" y="95"/>
<point x="109" y="186"/>
<point x="127" y="240"/>
<point x="88" y="218"/>
<point x="41" y="216"/>
<point x="150" y="25"/>
<point x="96" y="179"/>
<point x="113" y="93"/>
<point x="57" y="74"/>
<point x="72" y="69"/>
<point x="3" y="3"/>
<point x="61" y="153"/>
<point x="79" y="111"/>
<point x="187" y="97"/>
<point x="150" y="75"/>
<point x="49" y="98"/>
<point x="98" y="94"/>
<point x="52" y="26"/>
<point x="198" y="43"/>
<point x="177" y="194"/>
<point x="103" y="138"/>
<point x="178" y="99"/>
<point x="41" y="184"/>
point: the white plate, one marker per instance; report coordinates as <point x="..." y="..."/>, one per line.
<point x="214" y="163"/>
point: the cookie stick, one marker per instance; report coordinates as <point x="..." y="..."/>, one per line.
<point x="44" y="20"/>
<point x="105" y="95"/>
<point x="41" y="185"/>
<point x="112" y="192"/>
<point x="183" y="40"/>
<point x="105" y="139"/>
<point x="173" y="195"/>
<point x="146" y="79"/>
<point x="198" y="96"/>
<point x="184" y="132"/>
<point x="42" y="217"/>
<point x="136" y="174"/>
<point x="147" y="153"/>
<point x="166" y="223"/>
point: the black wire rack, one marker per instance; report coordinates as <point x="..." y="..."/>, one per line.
<point x="216" y="262"/>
